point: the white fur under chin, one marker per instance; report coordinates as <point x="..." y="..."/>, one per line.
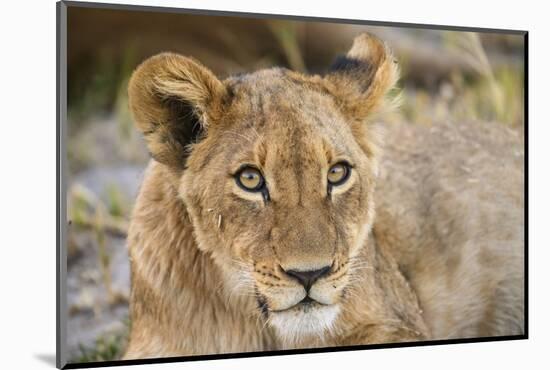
<point x="292" y="325"/>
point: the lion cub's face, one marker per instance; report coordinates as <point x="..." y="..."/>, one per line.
<point x="277" y="172"/>
<point x="280" y="191"/>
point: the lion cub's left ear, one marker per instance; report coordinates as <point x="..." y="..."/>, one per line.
<point x="364" y="76"/>
<point x="173" y="99"/>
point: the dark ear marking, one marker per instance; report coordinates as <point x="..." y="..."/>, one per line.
<point x="362" y="78"/>
<point x="351" y="66"/>
<point x="343" y="63"/>
<point x="173" y="100"/>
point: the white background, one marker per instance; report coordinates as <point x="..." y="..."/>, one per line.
<point x="27" y="182"/>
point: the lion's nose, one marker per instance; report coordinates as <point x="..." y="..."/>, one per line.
<point x="308" y="278"/>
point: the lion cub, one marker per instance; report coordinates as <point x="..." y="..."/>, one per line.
<point x="255" y="226"/>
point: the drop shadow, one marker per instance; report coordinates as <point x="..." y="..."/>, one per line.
<point x="48" y="359"/>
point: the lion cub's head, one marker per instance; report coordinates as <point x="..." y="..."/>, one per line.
<point x="276" y="170"/>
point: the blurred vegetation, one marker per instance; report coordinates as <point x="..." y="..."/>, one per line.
<point x="105" y="348"/>
<point x="447" y="76"/>
<point x="475" y="85"/>
<point x="286" y="34"/>
<point x="87" y="211"/>
<point x="102" y="86"/>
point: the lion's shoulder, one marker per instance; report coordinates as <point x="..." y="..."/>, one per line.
<point x="450" y="203"/>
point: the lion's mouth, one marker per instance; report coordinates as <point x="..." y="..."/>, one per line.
<point x="305" y="305"/>
<point x="307" y="300"/>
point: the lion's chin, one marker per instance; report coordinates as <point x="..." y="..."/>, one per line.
<point x="304" y="321"/>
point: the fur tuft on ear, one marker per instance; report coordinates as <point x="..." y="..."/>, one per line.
<point x="173" y="99"/>
<point x="364" y="76"/>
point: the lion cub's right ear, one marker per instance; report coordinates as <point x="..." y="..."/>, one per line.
<point x="363" y="78"/>
<point x="173" y="99"/>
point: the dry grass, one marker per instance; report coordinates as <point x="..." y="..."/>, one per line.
<point x="288" y="39"/>
<point x="490" y="95"/>
<point x="87" y="211"/>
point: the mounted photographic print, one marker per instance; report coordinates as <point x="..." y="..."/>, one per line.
<point x="236" y="185"/>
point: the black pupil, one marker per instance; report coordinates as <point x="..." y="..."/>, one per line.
<point x="250" y="175"/>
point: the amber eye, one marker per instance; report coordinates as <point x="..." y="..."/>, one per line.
<point x="338" y="174"/>
<point x="250" y="179"/>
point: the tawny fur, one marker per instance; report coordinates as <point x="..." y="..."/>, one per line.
<point x="442" y="257"/>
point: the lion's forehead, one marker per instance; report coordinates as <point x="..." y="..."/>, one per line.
<point x="282" y="96"/>
<point x="290" y="115"/>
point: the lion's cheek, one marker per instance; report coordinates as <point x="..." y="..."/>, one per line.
<point x="358" y="237"/>
<point x="328" y="292"/>
<point x="278" y="299"/>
